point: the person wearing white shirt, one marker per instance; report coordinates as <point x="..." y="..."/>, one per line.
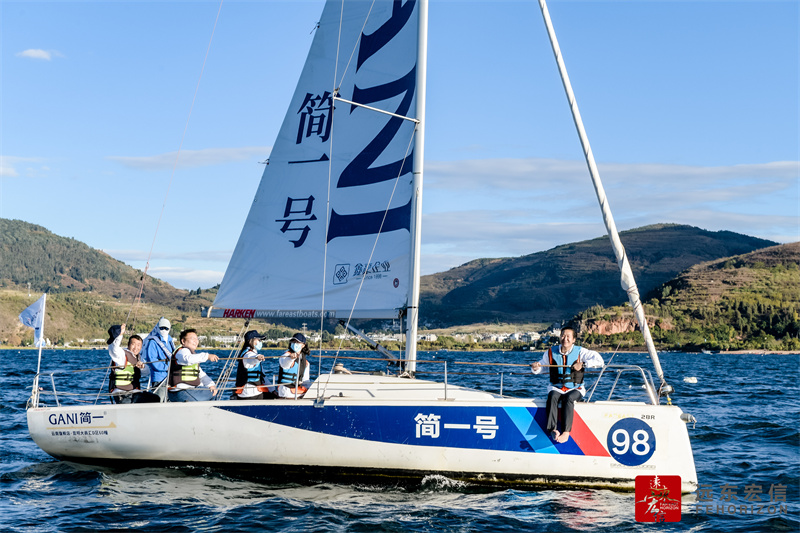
<point x="293" y="374"/>
<point x="188" y="382"/>
<point x="250" y="383"/>
<point x="566" y="363"/>
<point x="126" y="367"/>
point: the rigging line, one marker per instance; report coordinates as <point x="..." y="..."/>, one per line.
<point x="355" y="46"/>
<point x="175" y="162"/>
<point x="374" y="244"/>
<point x="334" y="91"/>
<point x="328" y="201"/>
<point x="227" y="368"/>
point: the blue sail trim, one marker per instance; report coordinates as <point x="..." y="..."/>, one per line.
<point x="370" y="44"/>
<point x="369" y="223"/>
<point x="358" y="172"/>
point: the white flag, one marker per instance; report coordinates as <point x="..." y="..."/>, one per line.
<point x="33" y="317"/>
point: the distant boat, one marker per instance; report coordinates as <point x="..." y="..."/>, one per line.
<point x="350" y="247"/>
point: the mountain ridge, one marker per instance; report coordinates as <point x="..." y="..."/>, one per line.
<point x="90" y="290"/>
<point x="557" y="283"/>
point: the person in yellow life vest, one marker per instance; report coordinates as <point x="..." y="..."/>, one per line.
<point x="566" y="362"/>
<point x="188" y="382"/>
<point x="123" y="383"/>
<point x="293" y="373"/>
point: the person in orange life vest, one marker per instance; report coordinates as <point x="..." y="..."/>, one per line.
<point x="126" y="366"/>
<point x="566" y="362"/>
<point x="250" y="384"/>
<point x="188" y="382"/>
<point x="293" y="374"/>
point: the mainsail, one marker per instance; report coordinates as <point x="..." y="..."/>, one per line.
<point x="329" y="233"/>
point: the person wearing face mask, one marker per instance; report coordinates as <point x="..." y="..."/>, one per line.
<point x="293" y="374"/>
<point x="156" y="353"/>
<point x="250" y="384"/>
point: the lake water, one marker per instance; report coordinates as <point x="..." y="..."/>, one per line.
<point x="746" y="446"/>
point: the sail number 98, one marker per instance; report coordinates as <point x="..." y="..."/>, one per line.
<point x="631" y="441"/>
<point x="622" y="439"/>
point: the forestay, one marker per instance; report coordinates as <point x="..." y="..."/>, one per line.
<point x="339" y="176"/>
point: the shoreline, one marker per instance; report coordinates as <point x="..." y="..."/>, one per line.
<point x="328" y="349"/>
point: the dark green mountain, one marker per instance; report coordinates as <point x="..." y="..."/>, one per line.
<point x="90" y="290"/>
<point x="87" y="289"/>
<point x="556" y="284"/>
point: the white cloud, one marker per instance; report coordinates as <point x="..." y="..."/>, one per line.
<point x="186" y="278"/>
<point x="9" y="166"/>
<point x="141" y="255"/>
<point x="524" y="174"/>
<point x="512" y="207"/>
<point x="7" y="172"/>
<point x="193" y="158"/>
<point x="38" y="53"/>
<point x="506" y="208"/>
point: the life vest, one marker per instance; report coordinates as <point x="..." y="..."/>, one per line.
<point x="288" y="378"/>
<point x="565" y="376"/>
<point x="246" y="375"/>
<point x="189" y="374"/>
<point x="127" y="377"/>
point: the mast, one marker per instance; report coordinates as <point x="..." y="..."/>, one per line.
<point x="626" y="275"/>
<point x="412" y="311"/>
<point x="35" y="388"/>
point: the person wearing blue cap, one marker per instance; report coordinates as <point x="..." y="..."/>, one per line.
<point x="250" y="383"/>
<point x="293" y="374"/>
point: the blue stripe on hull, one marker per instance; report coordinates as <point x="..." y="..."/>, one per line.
<point x="484" y="428"/>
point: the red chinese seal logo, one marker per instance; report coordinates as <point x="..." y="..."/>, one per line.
<point x="658" y="498"/>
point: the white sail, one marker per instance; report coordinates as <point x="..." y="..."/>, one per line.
<point x="329" y="228"/>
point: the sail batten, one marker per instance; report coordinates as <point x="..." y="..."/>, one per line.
<point x="336" y="200"/>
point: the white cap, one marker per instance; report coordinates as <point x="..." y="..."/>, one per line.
<point x="164" y="323"/>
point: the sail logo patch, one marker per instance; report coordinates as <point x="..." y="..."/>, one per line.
<point x="658" y="498"/>
<point x="341" y="273"/>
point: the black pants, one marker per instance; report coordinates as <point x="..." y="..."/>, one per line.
<point x="568" y="400"/>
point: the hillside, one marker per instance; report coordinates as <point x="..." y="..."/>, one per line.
<point x="558" y="283"/>
<point x="749" y="301"/>
<point x="88" y="289"/>
<point x="55" y="264"/>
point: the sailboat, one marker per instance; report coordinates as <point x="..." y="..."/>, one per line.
<point x="334" y="233"/>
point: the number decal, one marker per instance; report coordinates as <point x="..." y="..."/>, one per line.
<point x="620" y="438"/>
<point x="631" y="441"/>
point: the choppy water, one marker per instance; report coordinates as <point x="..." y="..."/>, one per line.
<point x="746" y="436"/>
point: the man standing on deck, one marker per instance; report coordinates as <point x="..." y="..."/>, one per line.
<point x="566" y="362"/>
<point x="156" y="353"/>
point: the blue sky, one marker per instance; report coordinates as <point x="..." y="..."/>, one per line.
<point x="692" y="109"/>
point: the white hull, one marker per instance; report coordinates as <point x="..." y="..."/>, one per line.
<point x="369" y="426"/>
